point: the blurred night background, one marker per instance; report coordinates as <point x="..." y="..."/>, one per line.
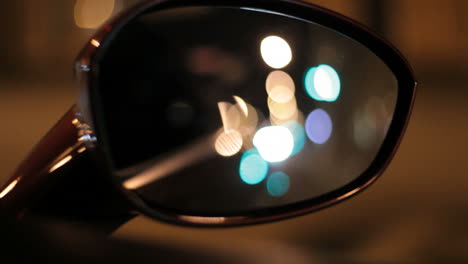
<point x="417" y="211"/>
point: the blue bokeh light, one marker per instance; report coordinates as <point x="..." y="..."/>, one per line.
<point x="253" y="168"/>
<point x="278" y="184"/>
<point x="318" y="126"/>
<point x="323" y="83"/>
<point x="298" y="132"/>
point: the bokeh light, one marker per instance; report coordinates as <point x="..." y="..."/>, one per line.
<point x="298" y="116"/>
<point x="274" y="143"/>
<point x="318" y="126"/>
<point x="276" y="52"/>
<point x="280" y="86"/>
<point x="228" y="143"/>
<point x="278" y="184"/>
<point x="242" y="105"/>
<point x="283" y="111"/>
<point x="298" y="133"/>
<point x="252" y="169"/>
<point x="230" y="116"/>
<point x="323" y="83"/>
<point x="248" y="124"/>
<point x="91" y="13"/>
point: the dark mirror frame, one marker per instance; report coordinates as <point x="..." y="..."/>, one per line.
<point x="69" y="174"/>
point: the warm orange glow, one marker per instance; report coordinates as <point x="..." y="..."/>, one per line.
<point x="93" y="13"/>
<point x="9" y="188"/>
<point x="81" y="150"/>
<point x="95" y="43"/>
<point x="203" y="220"/>
<point x="60" y="163"/>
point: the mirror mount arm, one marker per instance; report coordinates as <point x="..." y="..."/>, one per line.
<point x="60" y="180"/>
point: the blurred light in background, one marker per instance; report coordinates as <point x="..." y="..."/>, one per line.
<point x="9" y="188"/>
<point x="274" y="143"/>
<point x="228" y="143"/>
<point x="322" y="83"/>
<point x="60" y="163"/>
<point x="280" y="86"/>
<point x="278" y="184"/>
<point x="248" y="124"/>
<point x="276" y="52"/>
<point x="253" y="169"/>
<point x="318" y="126"/>
<point x="242" y="105"/>
<point x="93" y="13"/>
<point x="298" y="133"/>
<point x="285" y="110"/>
<point x="95" y="43"/>
<point x="298" y="116"/>
<point x="230" y="116"/>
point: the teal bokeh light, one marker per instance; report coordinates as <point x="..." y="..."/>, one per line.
<point x="278" y="184"/>
<point x="253" y="168"/>
<point x="323" y="83"/>
<point x="299" y="135"/>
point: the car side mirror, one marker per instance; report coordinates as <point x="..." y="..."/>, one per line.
<point x="233" y="112"/>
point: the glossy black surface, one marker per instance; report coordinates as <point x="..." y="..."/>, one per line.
<point x="91" y="56"/>
<point x="165" y="74"/>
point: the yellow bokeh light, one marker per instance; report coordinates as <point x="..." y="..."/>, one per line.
<point x="242" y="105"/>
<point x="282" y="110"/>
<point x="95" y="43"/>
<point x="276" y="52"/>
<point x="280" y="86"/>
<point x="298" y="116"/>
<point x="249" y="122"/>
<point x="230" y="116"/>
<point x="228" y="143"/>
<point x="93" y="13"/>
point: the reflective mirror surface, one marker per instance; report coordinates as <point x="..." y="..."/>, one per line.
<point x="220" y="111"/>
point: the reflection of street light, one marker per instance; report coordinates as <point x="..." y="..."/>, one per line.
<point x="318" y="126"/>
<point x="274" y="143"/>
<point x="252" y="169"/>
<point x="278" y="184"/>
<point x="280" y="86"/>
<point x="228" y="143"/>
<point x="276" y="52"/>
<point x="8" y="188"/>
<point x="323" y="83"/>
<point x="93" y="13"/>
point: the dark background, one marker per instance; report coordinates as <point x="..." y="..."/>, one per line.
<point x="418" y="210"/>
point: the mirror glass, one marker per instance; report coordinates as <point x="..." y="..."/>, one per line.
<point x="220" y="111"/>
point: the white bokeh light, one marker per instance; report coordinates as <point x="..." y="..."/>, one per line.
<point x="228" y="143"/>
<point x="276" y="52"/>
<point x="274" y="143"/>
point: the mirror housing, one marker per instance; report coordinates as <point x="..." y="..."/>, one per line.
<point x="101" y="53"/>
